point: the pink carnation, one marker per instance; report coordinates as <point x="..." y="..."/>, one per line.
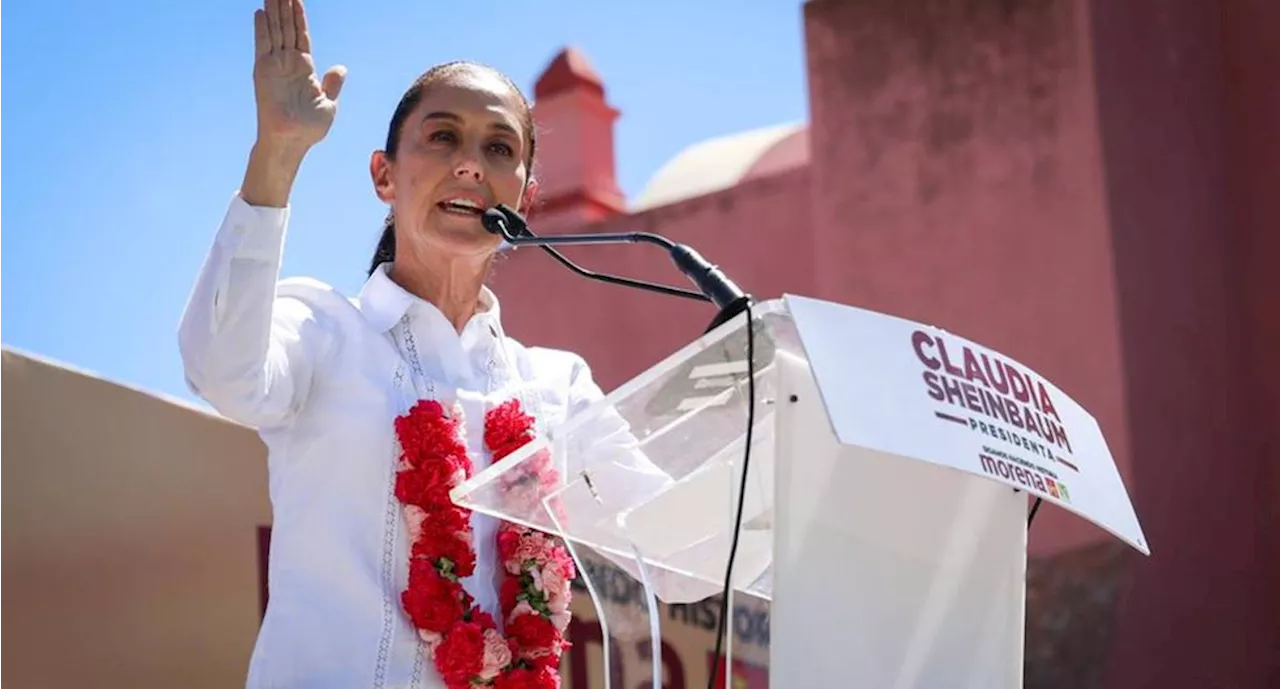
<point x="431" y="640"/>
<point x="463" y="641"/>
<point x="497" y="654"/>
<point x="561" y="559"/>
<point x="556" y="587"/>
<point x="548" y="481"/>
<point x="413" y="518"/>
<point x="558" y="602"/>
<point x="533" y="546"/>
<point x="522" y="608"/>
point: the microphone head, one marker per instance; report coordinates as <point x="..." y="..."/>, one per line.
<point x="494" y="222"/>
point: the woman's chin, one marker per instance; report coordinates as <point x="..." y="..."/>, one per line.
<point x="463" y="235"/>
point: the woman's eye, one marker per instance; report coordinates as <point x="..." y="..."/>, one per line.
<point x="444" y="136"/>
<point x="501" y="148"/>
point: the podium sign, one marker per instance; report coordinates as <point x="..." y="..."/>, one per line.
<point x="884" y="502"/>
<point x="918" y="392"/>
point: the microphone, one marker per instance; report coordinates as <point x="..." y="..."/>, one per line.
<point x="713" y="285"/>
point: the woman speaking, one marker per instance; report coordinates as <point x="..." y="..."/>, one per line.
<point x="373" y="407"/>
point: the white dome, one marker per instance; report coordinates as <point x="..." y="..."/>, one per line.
<point x="710" y="166"/>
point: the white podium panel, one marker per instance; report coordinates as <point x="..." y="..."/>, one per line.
<point x="921" y="393"/>
<point x="883" y="509"/>
<point x="890" y="573"/>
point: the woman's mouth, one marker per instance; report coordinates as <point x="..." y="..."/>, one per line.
<point x="463" y="207"/>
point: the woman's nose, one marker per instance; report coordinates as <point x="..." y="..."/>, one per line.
<point x="468" y="169"/>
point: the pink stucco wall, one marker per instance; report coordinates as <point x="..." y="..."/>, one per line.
<point x="1251" y="56"/>
<point x="958" y="183"/>
<point x="1087" y="185"/>
<point x="1175" y="130"/>
<point x="622" y="331"/>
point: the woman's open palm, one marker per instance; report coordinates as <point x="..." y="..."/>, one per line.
<point x="294" y="106"/>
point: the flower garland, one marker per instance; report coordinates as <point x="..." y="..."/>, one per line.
<point x="464" y="641"/>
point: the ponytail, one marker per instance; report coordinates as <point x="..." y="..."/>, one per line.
<point x="386" y="251"/>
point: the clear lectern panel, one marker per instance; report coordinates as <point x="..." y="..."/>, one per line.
<point x="645" y="485"/>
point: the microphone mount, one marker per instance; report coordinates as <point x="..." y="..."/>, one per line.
<point x="713" y="285"/>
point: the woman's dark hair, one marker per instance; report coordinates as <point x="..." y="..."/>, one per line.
<point x="386" y="251"/>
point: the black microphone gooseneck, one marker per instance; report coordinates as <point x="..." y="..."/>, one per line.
<point x="495" y="224"/>
<point x="711" y="282"/>
<point x="712" y="286"/>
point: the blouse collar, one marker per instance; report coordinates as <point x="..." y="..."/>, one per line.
<point x="384" y="303"/>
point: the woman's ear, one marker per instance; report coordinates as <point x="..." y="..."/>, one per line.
<point x="380" y="172"/>
<point x="528" y="196"/>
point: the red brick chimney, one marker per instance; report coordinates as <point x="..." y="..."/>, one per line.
<point x="575" y="169"/>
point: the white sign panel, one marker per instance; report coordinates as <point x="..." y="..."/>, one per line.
<point x="896" y="386"/>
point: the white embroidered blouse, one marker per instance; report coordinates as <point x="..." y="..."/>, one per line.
<point x="322" y="377"/>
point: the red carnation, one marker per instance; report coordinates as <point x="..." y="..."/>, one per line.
<point x="432" y="409"/>
<point x="528" y="678"/>
<point x="508" y="542"/>
<point x="550" y="661"/>
<point x="482" y="618"/>
<point x="415" y="487"/>
<point x="447" y="448"/>
<point x="505" y="414"/>
<point x="425" y="435"/>
<point x="434" y="543"/>
<point x="470" y="649"/>
<point x="460" y="657"/>
<point x="410" y="426"/>
<point x="507" y="594"/>
<point x="515" y="443"/>
<point x="428" y="484"/>
<point x="431" y="601"/>
<point x="451" y="519"/>
<point x="506" y="429"/>
<point x="421" y="422"/>
<point x="432" y="414"/>
<point x="533" y="634"/>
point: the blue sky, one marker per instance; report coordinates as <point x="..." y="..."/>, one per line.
<point x="130" y="123"/>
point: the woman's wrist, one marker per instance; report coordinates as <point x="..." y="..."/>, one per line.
<point x="269" y="176"/>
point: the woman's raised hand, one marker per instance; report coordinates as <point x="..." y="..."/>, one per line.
<point x="295" y="108"/>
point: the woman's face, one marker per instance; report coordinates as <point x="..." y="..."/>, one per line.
<point x="462" y="150"/>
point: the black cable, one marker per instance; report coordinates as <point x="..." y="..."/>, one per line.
<point x="725" y="610"/>
<point x="1035" y="507"/>
<point x="714" y="287"/>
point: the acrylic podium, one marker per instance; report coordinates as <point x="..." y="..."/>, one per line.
<point x="885" y="503"/>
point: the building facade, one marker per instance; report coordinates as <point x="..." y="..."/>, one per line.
<point x="1084" y="185"/>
